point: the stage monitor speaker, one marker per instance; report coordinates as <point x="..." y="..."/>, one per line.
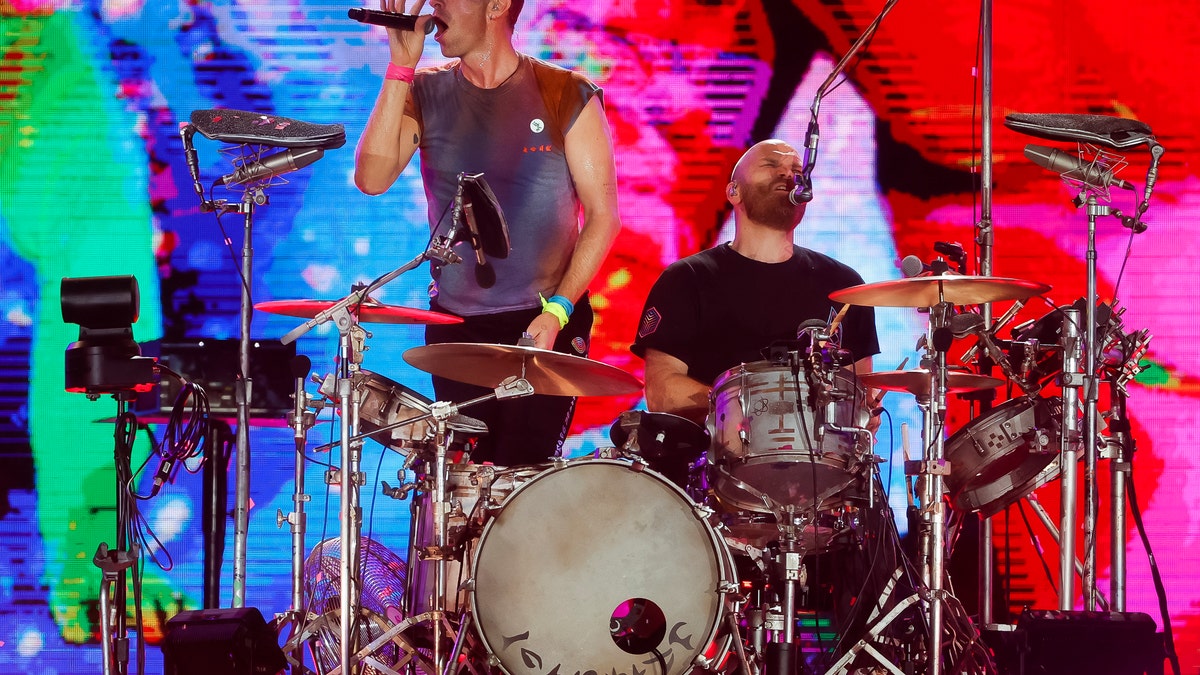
<point x="233" y="641"/>
<point x="1095" y="643"/>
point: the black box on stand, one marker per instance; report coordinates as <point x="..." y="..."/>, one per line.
<point x="1093" y="643"/>
<point x="213" y="364"/>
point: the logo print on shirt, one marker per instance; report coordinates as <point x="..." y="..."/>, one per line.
<point x="579" y="345"/>
<point x="536" y="126"/>
<point x="650" y="322"/>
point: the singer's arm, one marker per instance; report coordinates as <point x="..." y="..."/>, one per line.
<point x="669" y="389"/>
<point x="391" y="137"/>
<point x="588" y="147"/>
<point x="388" y="141"/>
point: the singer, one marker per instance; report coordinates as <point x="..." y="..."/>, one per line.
<point x="539" y="136"/>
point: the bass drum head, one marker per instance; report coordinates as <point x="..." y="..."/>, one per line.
<point x="572" y="558"/>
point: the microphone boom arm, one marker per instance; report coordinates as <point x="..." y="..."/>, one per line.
<point x="813" y="135"/>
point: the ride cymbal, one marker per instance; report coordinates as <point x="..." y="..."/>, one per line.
<point x="932" y="290"/>
<point x="368" y="312"/>
<point x="917" y="381"/>
<point x="551" y="373"/>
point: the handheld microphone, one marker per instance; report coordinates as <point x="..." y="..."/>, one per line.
<point x="1065" y="163"/>
<point x="388" y="19"/>
<point x="912" y="266"/>
<point x="273" y="165"/>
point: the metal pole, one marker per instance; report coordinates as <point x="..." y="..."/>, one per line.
<point x="1119" y="467"/>
<point x="937" y="518"/>
<point x="1069" y="457"/>
<point x="348" y="511"/>
<point x="241" y="509"/>
<point x="984" y="238"/>
<point x="1090" y="419"/>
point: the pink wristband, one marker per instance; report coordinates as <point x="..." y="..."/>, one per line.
<point x="402" y="73"/>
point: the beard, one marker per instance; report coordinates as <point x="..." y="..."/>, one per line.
<point x="771" y="208"/>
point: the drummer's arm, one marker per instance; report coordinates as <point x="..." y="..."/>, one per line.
<point x="873" y="396"/>
<point x="669" y="389"/>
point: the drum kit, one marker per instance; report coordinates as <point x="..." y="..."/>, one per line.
<point x="684" y="548"/>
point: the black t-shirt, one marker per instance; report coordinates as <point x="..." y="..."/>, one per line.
<point x="717" y="308"/>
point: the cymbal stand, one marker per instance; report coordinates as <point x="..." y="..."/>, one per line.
<point x="301" y="419"/>
<point x="349" y="477"/>
<point x="440" y="549"/>
<point x="931" y="471"/>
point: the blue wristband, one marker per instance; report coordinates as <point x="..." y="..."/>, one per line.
<point x="566" y="304"/>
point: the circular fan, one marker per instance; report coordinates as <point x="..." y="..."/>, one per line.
<point x="381" y="576"/>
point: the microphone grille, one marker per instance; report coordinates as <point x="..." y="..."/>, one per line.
<point x="911" y="266"/>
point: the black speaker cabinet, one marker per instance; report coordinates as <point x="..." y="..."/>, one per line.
<point x="1095" y="643"/>
<point x="221" y="642"/>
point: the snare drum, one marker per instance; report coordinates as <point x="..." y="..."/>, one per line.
<point x="595" y="567"/>
<point x="475" y="492"/>
<point x="766" y="439"/>
<point x="383" y="402"/>
<point x="1004" y="455"/>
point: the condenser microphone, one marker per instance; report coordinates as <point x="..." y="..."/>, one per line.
<point x="376" y="17"/>
<point x="273" y="165"/>
<point x="1066" y="163"/>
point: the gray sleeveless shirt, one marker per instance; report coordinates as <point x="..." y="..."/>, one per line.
<point x="513" y="134"/>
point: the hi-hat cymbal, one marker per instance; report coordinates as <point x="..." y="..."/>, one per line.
<point x="549" y="372"/>
<point x="917" y="381"/>
<point x="932" y="290"/>
<point x="368" y="312"/>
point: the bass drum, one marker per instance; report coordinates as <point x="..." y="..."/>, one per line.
<point x="593" y="566"/>
<point x="475" y="492"/>
<point x="1005" y="454"/>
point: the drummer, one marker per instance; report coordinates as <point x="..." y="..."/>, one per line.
<point x="726" y="305"/>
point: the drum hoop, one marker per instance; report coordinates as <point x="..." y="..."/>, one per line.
<point x="726" y="573"/>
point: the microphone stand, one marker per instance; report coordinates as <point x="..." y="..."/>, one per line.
<point x="253" y="196"/>
<point x="813" y="135"/>
<point x="349" y="477"/>
<point x="985" y="239"/>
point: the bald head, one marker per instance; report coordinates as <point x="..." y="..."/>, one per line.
<point x="761" y="181"/>
<point x="771" y="151"/>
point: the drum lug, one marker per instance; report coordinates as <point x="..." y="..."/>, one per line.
<point x="703" y="511"/>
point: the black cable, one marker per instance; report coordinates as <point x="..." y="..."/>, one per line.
<point x="1159" y="589"/>
<point x="1040" y="551"/>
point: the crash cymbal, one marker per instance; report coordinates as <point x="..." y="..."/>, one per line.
<point x="552" y="373"/>
<point x="917" y="381"/>
<point x="931" y="290"/>
<point x="368" y="312"/>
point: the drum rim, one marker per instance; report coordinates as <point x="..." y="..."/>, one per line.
<point x="726" y="572"/>
<point x="976" y="499"/>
